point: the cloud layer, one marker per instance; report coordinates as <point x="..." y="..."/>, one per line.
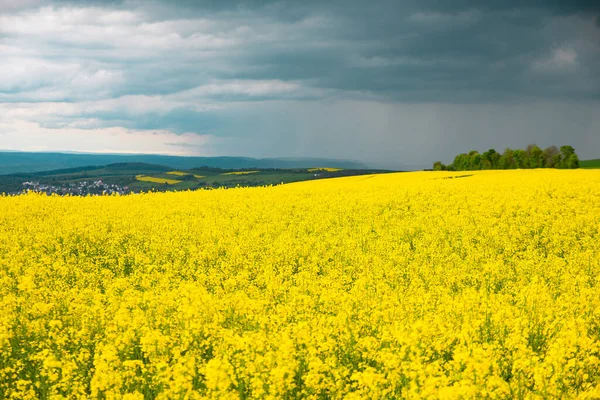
<point x="400" y="83"/>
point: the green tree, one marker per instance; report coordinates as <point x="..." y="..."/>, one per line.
<point x="491" y="159"/>
<point x="520" y="157"/>
<point x="535" y="156"/>
<point x="551" y="157"/>
<point x="474" y="160"/>
<point x="438" y="166"/>
<point x="566" y="153"/>
<point x="572" y="162"/>
<point x="461" y="162"/>
<point x="532" y="157"/>
<point x="507" y="160"/>
<point x="558" y="161"/>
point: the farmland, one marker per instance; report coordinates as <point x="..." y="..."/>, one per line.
<point x="390" y="286"/>
<point x="151" y="179"/>
<point x="590" y="163"/>
<point x="141" y="177"/>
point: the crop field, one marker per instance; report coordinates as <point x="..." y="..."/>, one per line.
<point x="240" y="173"/>
<point x="152" y="179"/>
<point x="327" y="169"/>
<point x="178" y="173"/>
<point x="380" y="286"/>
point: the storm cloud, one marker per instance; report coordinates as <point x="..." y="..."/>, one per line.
<point x="390" y="83"/>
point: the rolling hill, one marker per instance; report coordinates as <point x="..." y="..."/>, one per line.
<point x="26" y="162"/>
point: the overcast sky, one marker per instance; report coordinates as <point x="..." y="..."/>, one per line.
<point x="390" y="83"/>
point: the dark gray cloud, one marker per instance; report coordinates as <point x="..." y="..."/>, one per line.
<point x="426" y="50"/>
<point x="433" y="50"/>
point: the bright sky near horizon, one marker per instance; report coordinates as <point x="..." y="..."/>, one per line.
<point x="391" y="83"/>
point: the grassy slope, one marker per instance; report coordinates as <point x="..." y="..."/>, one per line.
<point x="590" y="163"/>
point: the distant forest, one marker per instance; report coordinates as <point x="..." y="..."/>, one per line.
<point x="531" y="157"/>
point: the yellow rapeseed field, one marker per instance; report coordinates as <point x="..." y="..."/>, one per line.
<point x="239" y="173"/>
<point x="416" y="285"/>
<point x="327" y="169"/>
<point x="178" y="173"/>
<point x="144" y="178"/>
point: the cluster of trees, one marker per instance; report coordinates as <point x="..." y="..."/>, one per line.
<point x="532" y="157"/>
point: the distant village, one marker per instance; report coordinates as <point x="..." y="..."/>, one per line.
<point x="83" y="188"/>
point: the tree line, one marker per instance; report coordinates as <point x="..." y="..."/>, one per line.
<point x="531" y="157"/>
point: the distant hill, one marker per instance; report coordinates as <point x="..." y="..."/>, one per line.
<point x="590" y="163"/>
<point x="25" y="162"/>
<point x="116" y="168"/>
